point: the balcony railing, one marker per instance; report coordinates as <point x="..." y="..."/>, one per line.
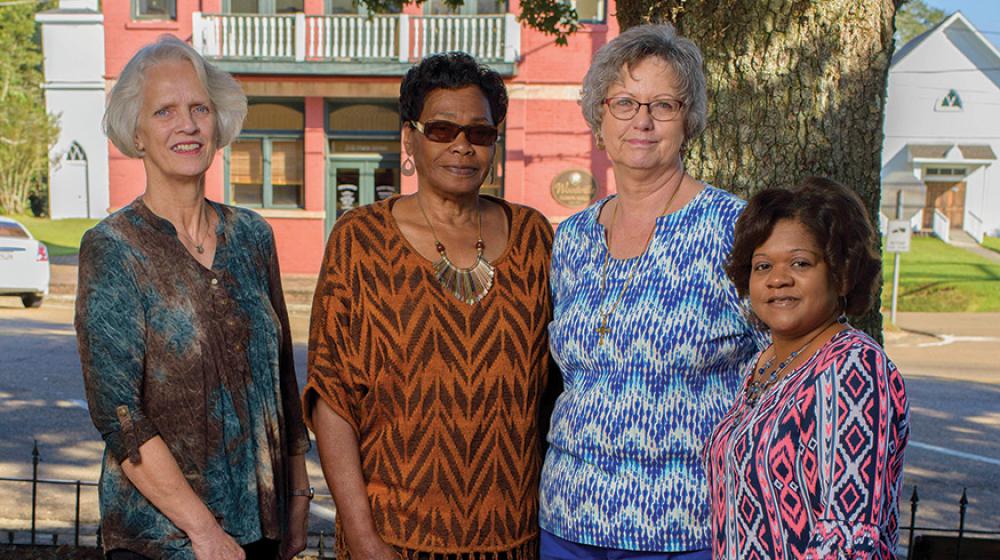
<point x="352" y="38"/>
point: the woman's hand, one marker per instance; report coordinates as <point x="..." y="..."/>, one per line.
<point x="298" y="527"/>
<point x="371" y="548"/>
<point x="215" y="544"/>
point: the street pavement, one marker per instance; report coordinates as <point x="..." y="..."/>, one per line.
<point x="950" y="363"/>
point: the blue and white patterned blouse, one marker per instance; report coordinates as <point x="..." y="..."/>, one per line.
<point x="624" y="466"/>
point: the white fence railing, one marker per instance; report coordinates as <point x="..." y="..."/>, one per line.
<point x="974" y="226"/>
<point x="941" y="226"/>
<point x="353" y="38"/>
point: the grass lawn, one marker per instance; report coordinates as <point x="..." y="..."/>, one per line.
<point x="992" y="243"/>
<point x="62" y="237"/>
<point x="935" y="276"/>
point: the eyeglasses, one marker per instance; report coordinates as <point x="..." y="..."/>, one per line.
<point x="447" y="131"/>
<point x="624" y="108"/>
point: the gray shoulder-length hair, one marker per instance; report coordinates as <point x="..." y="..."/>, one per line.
<point x="122" y="113"/>
<point x="632" y="47"/>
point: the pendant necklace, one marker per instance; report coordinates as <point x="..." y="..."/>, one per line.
<point x="756" y="389"/>
<point x="603" y="329"/>
<point x="471" y="284"/>
<point x="200" y="247"/>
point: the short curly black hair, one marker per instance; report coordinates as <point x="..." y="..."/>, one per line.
<point x="838" y="221"/>
<point x="452" y="70"/>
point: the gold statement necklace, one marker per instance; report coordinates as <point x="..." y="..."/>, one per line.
<point x="603" y="329"/>
<point x="470" y="284"/>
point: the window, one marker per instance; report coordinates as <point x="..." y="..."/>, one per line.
<point x="341" y="7"/>
<point x="351" y="7"/>
<point x="945" y="171"/>
<point x="951" y="102"/>
<point x="267" y="161"/>
<point x="12" y="230"/>
<point x="264" y="6"/>
<point x="364" y="118"/>
<point x="154" y="9"/>
<point x="469" y="8"/>
<point x="76" y="153"/>
<point x="589" y="11"/>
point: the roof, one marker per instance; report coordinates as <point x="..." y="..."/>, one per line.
<point x="933" y="151"/>
<point x="976" y="151"/>
<point x="914" y="43"/>
<point x="947" y="22"/>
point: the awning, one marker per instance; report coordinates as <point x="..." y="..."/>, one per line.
<point x="977" y="151"/>
<point x="928" y="151"/>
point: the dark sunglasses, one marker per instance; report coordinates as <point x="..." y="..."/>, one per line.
<point x="447" y="131"/>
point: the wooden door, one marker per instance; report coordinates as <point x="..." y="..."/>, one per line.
<point x="949" y="198"/>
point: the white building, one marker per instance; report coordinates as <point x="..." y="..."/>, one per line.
<point x="942" y="131"/>
<point x="73" y="46"/>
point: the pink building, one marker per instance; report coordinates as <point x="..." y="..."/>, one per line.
<point x="322" y="135"/>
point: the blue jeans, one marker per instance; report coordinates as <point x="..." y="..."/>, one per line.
<point x="555" y="548"/>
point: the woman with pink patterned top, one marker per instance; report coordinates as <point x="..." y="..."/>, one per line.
<point x="809" y="460"/>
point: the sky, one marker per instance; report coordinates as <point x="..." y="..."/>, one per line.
<point x="984" y="15"/>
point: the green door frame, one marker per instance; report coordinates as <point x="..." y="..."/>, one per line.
<point x="366" y="164"/>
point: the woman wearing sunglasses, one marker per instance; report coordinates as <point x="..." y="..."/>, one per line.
<point x="428" y="349"/>
<point x="647" y="329"/>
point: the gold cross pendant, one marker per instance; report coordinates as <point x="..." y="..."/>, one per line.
<point x="603" y="330"/>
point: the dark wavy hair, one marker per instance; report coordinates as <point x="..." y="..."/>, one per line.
<point x="838" y="221"/>
<point x="453" y="70"/>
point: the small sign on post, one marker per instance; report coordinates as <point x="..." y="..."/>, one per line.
<point x="898" y="239"/>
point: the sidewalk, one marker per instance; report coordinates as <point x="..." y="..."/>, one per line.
<point x="969" y="244"/>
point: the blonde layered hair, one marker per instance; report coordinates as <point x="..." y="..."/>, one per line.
<point x="121" y="117"/>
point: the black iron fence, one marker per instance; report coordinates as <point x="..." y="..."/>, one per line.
<point x="35" y="481"/>
<point x="936" y="543"/>
<point x="923" y="542"/>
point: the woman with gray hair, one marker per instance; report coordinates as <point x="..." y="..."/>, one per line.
<point x="647" y="328"/>
<point x="184" y="337"/>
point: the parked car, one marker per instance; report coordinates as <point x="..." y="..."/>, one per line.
<point x="24" y="264"/>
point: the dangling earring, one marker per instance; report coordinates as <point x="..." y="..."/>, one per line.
<point x="842" y="319"/>
<point x="599" y="140"/>
<point x="408" y="168"/>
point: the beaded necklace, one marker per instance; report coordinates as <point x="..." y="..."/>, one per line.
<point x="755" y="389"/>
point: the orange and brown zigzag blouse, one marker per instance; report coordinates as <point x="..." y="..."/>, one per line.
<point x="442" y="395"/>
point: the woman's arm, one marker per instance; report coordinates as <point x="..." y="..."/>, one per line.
<point x="161" y="481"/>
<point x="341" y="459"/>
<point x="861" y="428"/>
<point x="298" y="509"/>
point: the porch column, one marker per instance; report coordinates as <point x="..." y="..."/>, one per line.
<point x="315" y="156"/>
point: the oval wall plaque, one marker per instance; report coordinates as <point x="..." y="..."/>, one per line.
<point x="574" y="188"/>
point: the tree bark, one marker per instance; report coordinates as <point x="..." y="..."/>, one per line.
<point x="795" y="88"/>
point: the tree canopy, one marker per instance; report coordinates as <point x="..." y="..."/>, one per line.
<point x="913" y="18"/>
<point x="26" y="130"/>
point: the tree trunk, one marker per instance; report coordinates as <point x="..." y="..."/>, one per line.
<point x="795" y="88"/>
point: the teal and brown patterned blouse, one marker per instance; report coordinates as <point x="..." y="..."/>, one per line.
<point x="201" y="357"/>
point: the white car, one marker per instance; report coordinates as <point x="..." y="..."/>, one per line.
<point x="24" y="264"/>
